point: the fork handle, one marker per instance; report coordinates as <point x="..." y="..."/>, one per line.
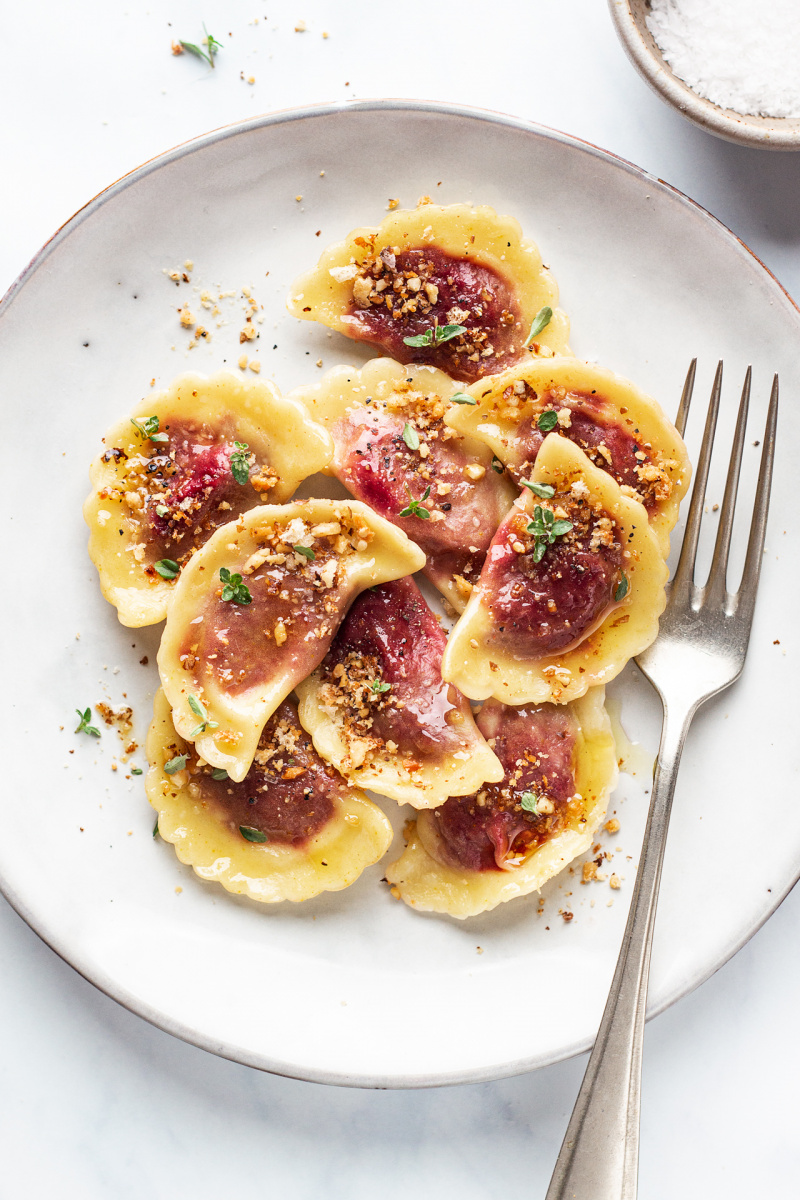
<point x="599" y="1157"/>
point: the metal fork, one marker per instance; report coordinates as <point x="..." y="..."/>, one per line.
<point x="700" y="651"/>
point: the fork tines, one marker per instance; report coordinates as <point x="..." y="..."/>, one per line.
<point x="715" y="589"/>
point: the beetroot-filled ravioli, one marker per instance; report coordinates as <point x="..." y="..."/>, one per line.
<point x="191" y="459"/>
<point x="453" y="286"/>
<point x="290" y="829"/>
<point x="509" y="838"/>
<point x="378" y="709"/>
<point x="256" y="609"/>
<point x="572" y="587"/>
<point x="394" y="452"/>
<point x="619" y="428"/>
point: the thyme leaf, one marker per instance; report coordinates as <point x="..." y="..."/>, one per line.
<point x="543" y="490"/>
<point x="176" y="764"/>
<point x="252" y="835"/>
<point x="622" y="587"/>
<point x="167" y="568"/>
<point x="547" y="420"/>
<point x="542" y="319"/>
<point x="462" y="398"/>
<point x="410" y="436"/>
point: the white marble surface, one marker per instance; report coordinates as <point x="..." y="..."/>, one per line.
<point x="95" y="1103"/>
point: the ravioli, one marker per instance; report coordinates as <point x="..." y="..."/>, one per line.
<point x="292" y="828"/>
<point x="256" y="609"/>
<point x="460" y="282"/>
<point x="559" y="610"/>
<point x="379" y="711"/>
<point x="189" y="460"/>
<point x="394" y="452"/>
<point x="623" y="431"/>
<point x="478" y="851"/>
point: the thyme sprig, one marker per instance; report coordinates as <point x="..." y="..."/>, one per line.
<point x="148" y="428"/>
<point x="545" y="529"/>
<point x="199" y="711"/>
<point x="212" y="47"/>
<point x="415" y="507"/>
<point x="84" y="726"/>
<point x="240" y="462"/>
<point x="233" y="589"/>
<point x="435" y="335"/>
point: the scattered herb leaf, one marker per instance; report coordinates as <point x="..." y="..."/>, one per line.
<point x="410" y="436"/>
<point x="547" y="420"/>
<point x="378" y="686"/>
<point x="543" y="490"/>
<point x="219" y="773"/>
<point x="462" y="398"/>
<point x="542" y="319"/>
<point x="415" y="508"/>
<point x="155" y="829"/>
<point x="167" y="568"/>
<point x="306" y="552"/>
<point x="137" y="771"/>
<point x="176" y="764"/>
<point x="148" y="428"/>
<point x="530" y="802"/>
<point x="497" y="465"/>
<point x="211" y="44"/>
<point x="240" y="462"/>
<point x="435" y="335"/>
<point x="545" y="529"/>
<point x="622" y="587"/>
<point x="84" y="726"/>
<point x="199" y="711"/>
<point x="233" y="588"/>
<point x="252" y="835"/>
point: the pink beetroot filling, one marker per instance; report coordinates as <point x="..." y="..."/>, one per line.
<point x="392" y="627"/>
<point x="197" y="479"/>
<point x="289" y="798"/>
<point x="542" y="608"/>
<point x="376" y="465"/>
<point x="483" y="295"/>
<point x="589" y="431"/>
<point x="536" y="746"/>
<point x="238" y="641"/>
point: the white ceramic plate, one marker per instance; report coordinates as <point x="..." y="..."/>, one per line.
<point x="355" y="988"/>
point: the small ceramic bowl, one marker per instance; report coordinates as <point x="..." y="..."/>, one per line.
<point x="764" y="133"/>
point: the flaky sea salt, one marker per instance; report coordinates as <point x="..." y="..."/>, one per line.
<point x="737" y="54"/>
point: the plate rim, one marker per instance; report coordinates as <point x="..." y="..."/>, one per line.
<point x="95" y="975"/>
